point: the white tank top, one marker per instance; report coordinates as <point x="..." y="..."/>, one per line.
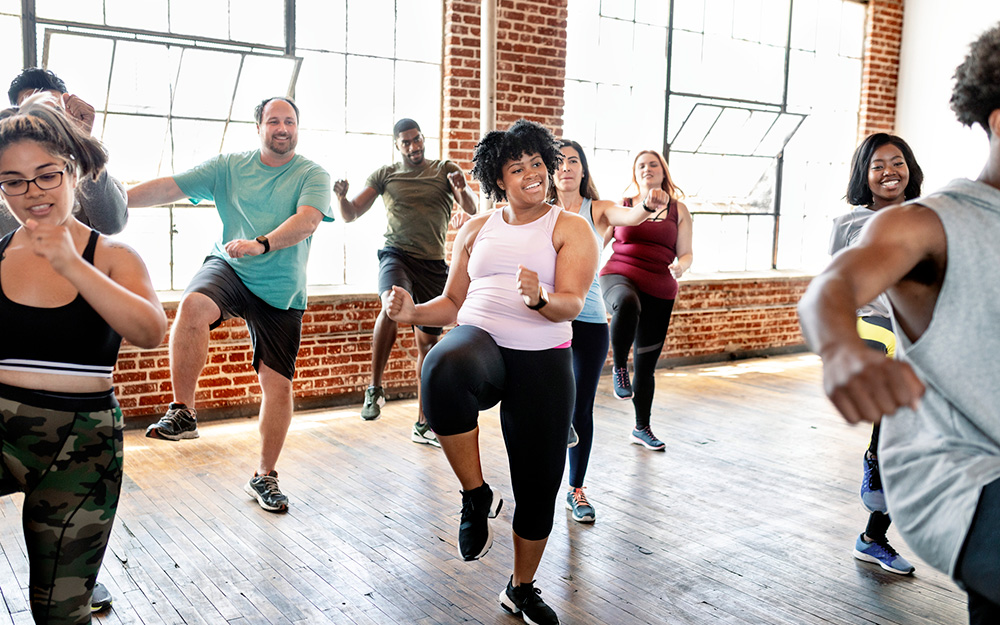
<point x="493" y="303"/>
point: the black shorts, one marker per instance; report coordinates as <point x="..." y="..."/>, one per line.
<point x="423" y="279"/>
<point x="274" y="333"/>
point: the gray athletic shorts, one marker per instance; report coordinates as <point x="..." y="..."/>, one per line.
<point x="275" y="333"/>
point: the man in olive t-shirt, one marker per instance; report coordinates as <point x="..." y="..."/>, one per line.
<point x="418" y="194"/>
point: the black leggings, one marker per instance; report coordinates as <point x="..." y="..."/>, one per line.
<point x="978" y="565"/>
<point x="467" y="372"/>
<point x="590" y="350"/>
<point x="641" y="320"/>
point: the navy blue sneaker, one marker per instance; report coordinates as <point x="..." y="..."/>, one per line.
<point x="623" y="386"/>
<point x="872" y="495"/>
<point x="881" y="553"/>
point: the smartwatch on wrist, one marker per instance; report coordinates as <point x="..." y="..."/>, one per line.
<point x="263" y="241"/>
<point x="543" y="299"/>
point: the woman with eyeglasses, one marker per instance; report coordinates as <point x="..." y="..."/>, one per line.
<point x="640" y="284"/>
<point x="67" y="298"/>
<point x="574" y="190"/>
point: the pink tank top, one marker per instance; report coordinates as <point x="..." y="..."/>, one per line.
<point x="493" y="303"/>
<point x="643" y="254"/>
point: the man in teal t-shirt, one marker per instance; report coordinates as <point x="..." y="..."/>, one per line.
<point x="270" y="201"/>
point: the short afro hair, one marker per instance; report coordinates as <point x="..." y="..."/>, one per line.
<point x="977" y="81"/>
<point x="498" y="147"/>
<point x="859" y="192"/>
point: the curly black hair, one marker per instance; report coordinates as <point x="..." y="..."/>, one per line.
<point x="859" y="193"/>
<point x="977" y="81"/>
<point x="499" y="147"/>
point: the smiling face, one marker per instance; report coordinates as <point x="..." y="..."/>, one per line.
<point x="525" y="180"/>
<point x="278" y="128"/>
<point x="648" y="172"/>
<point x="888" y="176"/>
<point x="25" y="160"/>
<point x="569" y="174"/>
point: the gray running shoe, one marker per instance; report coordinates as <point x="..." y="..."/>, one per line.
<point x="100" y="599"/>
<point x="179" y="422"/>
<point x="374" y="400"/>
<point x="264" y="488"/>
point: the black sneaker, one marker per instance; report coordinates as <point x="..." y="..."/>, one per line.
<point x="264" y="488"/>
<point x="475" y="534"/>
<point x="179" y="422"/>
<point x="100" y="599"/>
<point x="526" y="600"/>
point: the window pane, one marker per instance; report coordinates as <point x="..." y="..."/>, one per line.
<point x="197" y="228"/>
<point x="136" y="147"/>
<point x="418" y="95"/>
<point x="613" y="131"/>
<point x="10" y="47"/>
<point x="689" y="15"/>
<point x="147" y="15"/>
<point x="326" y="256"/>
<point x="194" y="142"/>
<point x="261" y="77"/>
<point x="259" y="21"/>
<point x="623" y="9"/>
<point x="83" y="63"/>
<point x="191" y="98"/>
<point x="414" y="20"/>
<point x="320" y="93"/>
<point x="10" y="6"/>
<point x="148" y="232"/>
<point x="242" y="137"/>
<point x="203" y="18"/>
<point x="615" y="52"/>
<point x="137" y="84"/>
<point x="656" y="12"/>
<point x="580" y="122"/>
<point x="321" y="25"/>
<point x="71" y="10"/>
<point x="649" y="59"/>
<point x="582" y="30"/>
<point x="760" y="243"/>
<point x="369" y="107"/>
<point x="698" y="123"/>
<point x="369" y="31"/>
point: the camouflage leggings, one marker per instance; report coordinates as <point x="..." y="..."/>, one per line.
<point x="64" y="451"/>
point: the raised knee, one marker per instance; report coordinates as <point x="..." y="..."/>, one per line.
<point x="197" y="310"/>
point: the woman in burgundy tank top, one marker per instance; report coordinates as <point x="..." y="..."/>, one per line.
<point x="639" y="283"/>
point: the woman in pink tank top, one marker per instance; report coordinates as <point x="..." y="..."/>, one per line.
<point x="639" y="283"/>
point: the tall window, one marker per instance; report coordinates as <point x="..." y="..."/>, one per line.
<point x="176" y="81"/>
<point x="753" y="102"/>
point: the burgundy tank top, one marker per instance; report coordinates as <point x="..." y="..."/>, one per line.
<point x="643" y="253"/>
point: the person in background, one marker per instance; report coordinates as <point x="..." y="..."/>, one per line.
<point x="573" y="190"/>
<point x="884" y="173"/>
<point x="640" y="285"/>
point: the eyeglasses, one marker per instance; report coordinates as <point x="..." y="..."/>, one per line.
<point x="45" y="182"/>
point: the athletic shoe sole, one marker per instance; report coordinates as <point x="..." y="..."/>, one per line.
<point x="155" y="432"/>
<point x="627" y="397"/>
<point x="587" y="518"/>
<point x="864" y="557"/>
<point x="248" y="489"/>
<point x="489" y="531"/>
<point x="638" y="441"/>
<point x="416" y="438"/>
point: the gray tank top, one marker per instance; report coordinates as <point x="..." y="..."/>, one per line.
<point x="936" y="460"/>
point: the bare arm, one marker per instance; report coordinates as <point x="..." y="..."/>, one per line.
<point x="154" y="193"/>
<point x="352" y="209"/>
<point x="607" y="214"/>
<point x="861" y="383"/>
<point x="123" y="297"/>
<point x="463" y="194"/>
<point x="291" y="231"/>
<point x="685" y="233"/>
<point x="576" y="264"/>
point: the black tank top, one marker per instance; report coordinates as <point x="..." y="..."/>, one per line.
<point x="67" y="340"/>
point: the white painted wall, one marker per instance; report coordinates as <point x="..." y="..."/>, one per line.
<point x="936" y="38"/>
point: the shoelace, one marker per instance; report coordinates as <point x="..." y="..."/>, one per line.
<point x="579" y="498"/>
<point x="621" y="377"/>
<point x="874" y="479"/>
<point x="885" y="546"/>
<point x="648" y="431"/>
<point x="270" y="483"/>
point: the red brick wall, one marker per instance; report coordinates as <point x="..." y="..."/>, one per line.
<point x="713" y="319"/>
<point x="880" y="71"/>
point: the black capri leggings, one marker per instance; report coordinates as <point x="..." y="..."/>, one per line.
<point x="640" y="319"/>
<point x="467" y="372"/>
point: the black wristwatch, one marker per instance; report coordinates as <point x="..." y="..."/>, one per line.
<point x="646" y="208"/>
<point x="263" y="241"/>
<point x="543" y="299"/>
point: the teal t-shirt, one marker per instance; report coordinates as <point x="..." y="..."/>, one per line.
<point x="254" y="199"/>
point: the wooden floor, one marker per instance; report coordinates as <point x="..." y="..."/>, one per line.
<point x="749" y="517"/>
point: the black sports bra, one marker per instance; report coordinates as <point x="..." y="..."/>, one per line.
<point x="66" y="340"/>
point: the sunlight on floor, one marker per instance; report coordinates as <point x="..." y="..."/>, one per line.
<point x="766" y="365"/>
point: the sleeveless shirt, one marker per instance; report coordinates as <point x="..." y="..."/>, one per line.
<point x="593" y="306"/>
<point x="493" y="303"/>
<point x="66" y="340"/>
<point x="936" y="460"/>
<point x="643" y="254"/>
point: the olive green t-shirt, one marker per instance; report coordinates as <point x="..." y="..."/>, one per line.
<point x="418" y="202"/>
